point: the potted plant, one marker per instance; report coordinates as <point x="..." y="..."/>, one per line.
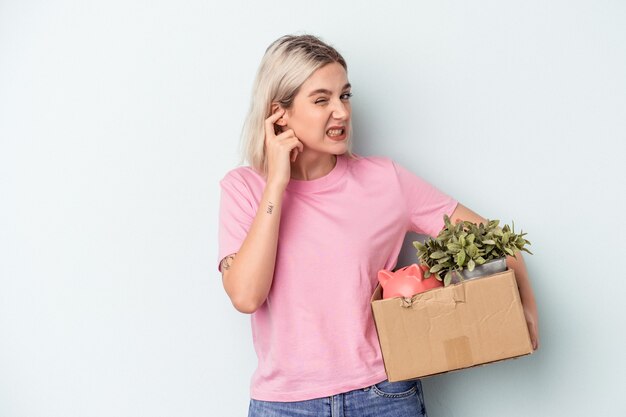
<point x="467" y="250"/>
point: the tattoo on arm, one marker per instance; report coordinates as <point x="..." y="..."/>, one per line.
<point x="227" y="262"/>
<point x="270" y="207"/>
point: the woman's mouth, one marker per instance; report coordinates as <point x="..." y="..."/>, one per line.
<point x="336" y="133"/>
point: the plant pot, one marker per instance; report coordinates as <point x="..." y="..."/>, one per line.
<point x="489" y="268"/>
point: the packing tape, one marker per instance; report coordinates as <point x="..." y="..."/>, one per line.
<point x="458" y="352"/>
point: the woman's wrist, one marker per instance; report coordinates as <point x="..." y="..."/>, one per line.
<point x="273" y="193"/>
<point x="275" y="187"/>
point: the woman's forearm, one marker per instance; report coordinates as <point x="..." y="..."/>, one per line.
<point x="527" y="296"/>
<point x="249" y="278"/>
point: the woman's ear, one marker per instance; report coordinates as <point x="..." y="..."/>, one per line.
<point x="283" y="120"/>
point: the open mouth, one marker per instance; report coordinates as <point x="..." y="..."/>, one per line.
<point x="334" y="133"/>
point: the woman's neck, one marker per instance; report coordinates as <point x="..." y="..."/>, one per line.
<point x="310" y="167"/>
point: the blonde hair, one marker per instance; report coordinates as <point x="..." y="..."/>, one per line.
<point x="288" y="62"/>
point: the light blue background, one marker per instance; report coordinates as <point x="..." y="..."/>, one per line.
<point x="118" y="118"/>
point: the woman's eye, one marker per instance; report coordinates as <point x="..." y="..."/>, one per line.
<point x="344" y="96"/>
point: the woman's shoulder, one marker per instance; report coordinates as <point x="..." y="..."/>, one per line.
<point x="372" y="162"/>
<point x="242" y="175"/>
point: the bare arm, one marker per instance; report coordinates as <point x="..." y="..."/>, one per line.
<point x="521" y="275"/>
<point x="248" y="276"/>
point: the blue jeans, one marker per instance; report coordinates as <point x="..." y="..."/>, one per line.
<point x="385" y="399"/>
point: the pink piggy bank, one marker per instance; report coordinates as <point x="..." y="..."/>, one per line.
<point x="406" y="282"/>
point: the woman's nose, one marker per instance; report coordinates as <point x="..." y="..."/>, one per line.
<point x="340" y="111"/>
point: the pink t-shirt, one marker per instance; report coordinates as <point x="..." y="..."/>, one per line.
<point x="315" y="336"/>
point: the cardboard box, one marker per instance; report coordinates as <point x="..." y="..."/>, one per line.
<point x="463" y="325"/>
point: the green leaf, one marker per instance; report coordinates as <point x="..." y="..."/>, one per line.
<point x="493" y="223"/>
<point x="436" y="268"/>
<point x="453" y="247"/>
<point x="438" y="254"/>
<point x="419" y="245"/>
<point x="460" y="258"/>
<point x="471" y="265"/>
<point x="447" y="279"/>
<point x="472" y="251"/>
<point x="489" y="242"/>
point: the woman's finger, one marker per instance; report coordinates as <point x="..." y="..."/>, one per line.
<point x="535" y="338"/>
<point x="533" y="332"/>
<point x="286" y="134"/>
<point x="269" y="122"/>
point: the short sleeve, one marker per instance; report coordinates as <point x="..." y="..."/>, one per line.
<point x="237" y="211"/>
<point x="426" y="205"/>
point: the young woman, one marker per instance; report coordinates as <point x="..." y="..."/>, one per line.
<point x="304" y="230"/>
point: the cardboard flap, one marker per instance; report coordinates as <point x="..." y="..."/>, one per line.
<point x="378" y="293"/>
<point x="458" y="293"/>
<point x="454" y="294"/>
